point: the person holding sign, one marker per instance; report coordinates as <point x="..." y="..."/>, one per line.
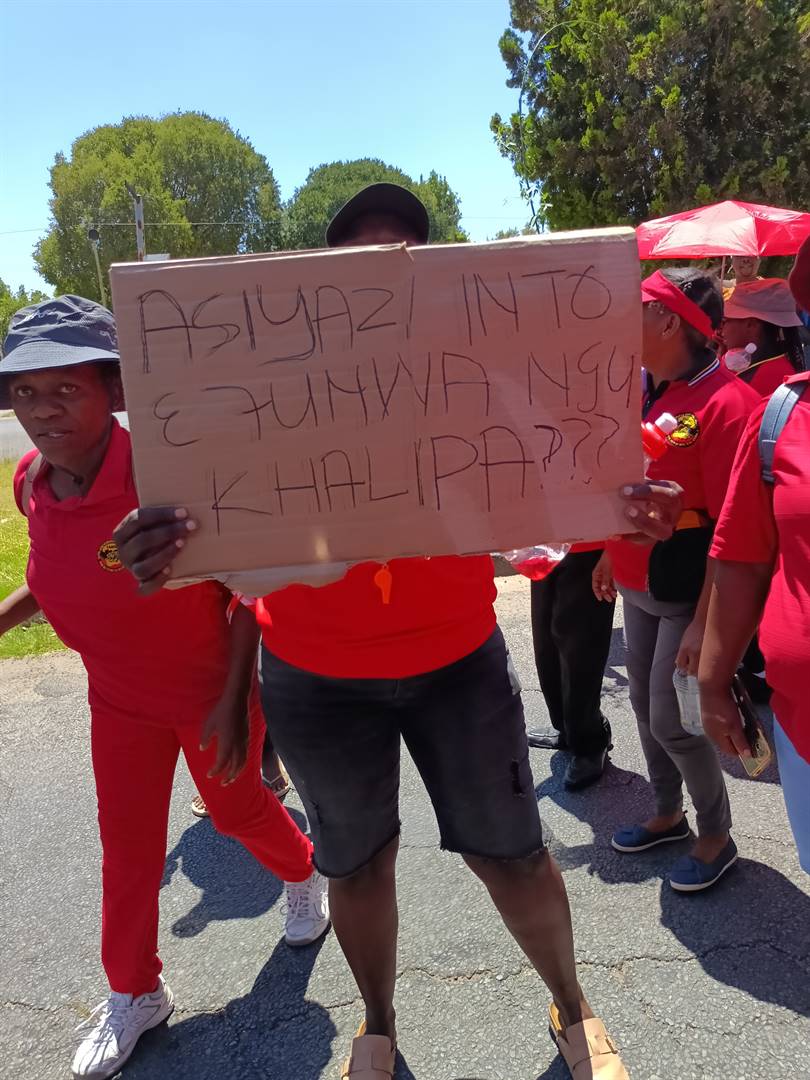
<point x="410" y="651"/>
<point x="165" y="674"/>
<point x="666" y="588"/>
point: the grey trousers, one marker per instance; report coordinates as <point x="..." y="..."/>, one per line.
<point x="653" y="632"/>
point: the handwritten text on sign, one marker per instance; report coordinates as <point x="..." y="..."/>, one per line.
<point x="382" y="402"/>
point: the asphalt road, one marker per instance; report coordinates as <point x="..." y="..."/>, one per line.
<point x="715" y="987"/>
<point x="13" y="440"/>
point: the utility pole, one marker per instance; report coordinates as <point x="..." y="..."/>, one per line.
<point x="93" y="237"/>
<point x="140" y="237"/>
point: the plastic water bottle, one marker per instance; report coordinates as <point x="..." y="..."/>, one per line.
<point x="538" y="561"/>
<point x="686" y="688"/>
<point x="654" y="437"/>
<point x="738" y="360"/>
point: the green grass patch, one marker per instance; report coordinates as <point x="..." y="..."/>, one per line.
<point x="37" y="637"/>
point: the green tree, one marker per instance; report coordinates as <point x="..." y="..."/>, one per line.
<point x="444" y="209"/>
<point x="329" y="186"/>
<point x="637" y="108"/>
<point x="511" y="233"/>
<point x="205" y="192"/>
<point x="12" y="300"/>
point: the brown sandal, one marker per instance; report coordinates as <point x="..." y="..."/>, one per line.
<point x="372" y="1057"/>
<point x="280" y="784"/>
<point x="587" y="1049"/>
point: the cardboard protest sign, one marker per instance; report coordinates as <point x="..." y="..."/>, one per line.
<point x="372" y="403"/>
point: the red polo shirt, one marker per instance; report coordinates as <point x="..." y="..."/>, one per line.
<point x="712" y="409"/>
<point x="158" y="659"/>
<point x="768" y="375"/>
<point x="759" y="524"/>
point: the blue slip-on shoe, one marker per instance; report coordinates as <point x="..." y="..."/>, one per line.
<point x="691" y="875"/>
<point x="634" y="838"/>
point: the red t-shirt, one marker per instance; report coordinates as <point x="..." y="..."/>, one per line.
<point x="159" y="659"/>
<point x="439" y="610"/>
<point x="768" y="375"/>
<point x="759" y="523"/>
<point x="586" y="545"/>
<point x="712" y="409"/>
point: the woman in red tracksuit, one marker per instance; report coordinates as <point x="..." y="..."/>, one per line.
<point x="166" y="673"/>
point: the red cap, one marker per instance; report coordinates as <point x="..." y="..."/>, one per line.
<point x="658" y="287"/>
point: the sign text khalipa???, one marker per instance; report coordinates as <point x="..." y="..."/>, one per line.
<point x="372" y="403"/>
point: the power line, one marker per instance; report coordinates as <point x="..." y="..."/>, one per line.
<point x="233" y="224"/>
<point x="131" y="224"/>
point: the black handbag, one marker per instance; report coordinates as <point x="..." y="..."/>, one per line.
<point x="677" y="566"/>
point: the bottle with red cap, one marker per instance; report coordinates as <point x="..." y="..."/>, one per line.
<point x="538" y="561"/>
<point x="654" y="437"/>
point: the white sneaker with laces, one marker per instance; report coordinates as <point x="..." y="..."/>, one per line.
<point x="109" y="1035"/>
<point x="307" y="909"/>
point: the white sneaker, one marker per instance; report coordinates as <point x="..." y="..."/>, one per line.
<point x="307" y="909"/>
<point x="111" y="1032"/>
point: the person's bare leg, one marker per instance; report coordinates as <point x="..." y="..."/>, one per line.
<point x="365" y="918"/>
<point x="531" y="899"/>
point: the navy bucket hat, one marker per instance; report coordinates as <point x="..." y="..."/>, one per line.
<point x="57" y="333"/>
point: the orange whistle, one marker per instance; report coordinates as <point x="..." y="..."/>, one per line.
<point x="383" y="580"/>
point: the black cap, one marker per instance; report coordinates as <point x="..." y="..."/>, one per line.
<point x="57" y="333"/>
<point x="380" y="199"/>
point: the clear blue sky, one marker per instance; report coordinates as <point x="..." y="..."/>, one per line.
<point x="413" y="82"/>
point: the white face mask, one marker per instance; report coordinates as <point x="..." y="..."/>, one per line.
<point x="738" y="360"/>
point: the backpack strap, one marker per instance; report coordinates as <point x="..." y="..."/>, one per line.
<point x="31" y="473"/>
<point x="777" y="413"/>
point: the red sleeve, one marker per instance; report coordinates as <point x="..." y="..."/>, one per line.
<point x="746" y="530"/>
<point x="19" y="477"/>
<point x="724" y="422"/>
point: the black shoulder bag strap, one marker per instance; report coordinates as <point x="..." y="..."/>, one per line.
<point x="777" y="413"/>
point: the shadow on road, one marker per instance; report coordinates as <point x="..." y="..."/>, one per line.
<point x="749" y="932"/>
<point x="617" y="657"/>
<point x="273" y="1031"/>
<point x="557" y="1070"/>
<point x="402" y="1070"/>
<point x="233" y="884"/>
<point x="618" y="798"/>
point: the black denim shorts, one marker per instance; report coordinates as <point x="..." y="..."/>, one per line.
<point x="464" y="728"/>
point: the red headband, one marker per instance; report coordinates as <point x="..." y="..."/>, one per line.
<point x="658" y="287"/>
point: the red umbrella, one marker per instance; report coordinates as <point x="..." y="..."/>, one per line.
<point x="726" y="228"/>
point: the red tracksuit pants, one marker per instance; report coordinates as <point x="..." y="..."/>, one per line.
<point x="134" y="768"/>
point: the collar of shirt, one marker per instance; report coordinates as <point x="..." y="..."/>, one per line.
<point x="691" y="378"/>
<point x="758" y="359"/>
